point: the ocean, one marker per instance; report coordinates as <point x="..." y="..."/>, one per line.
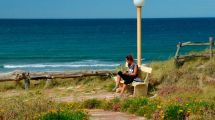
<point x="93" y="44"/>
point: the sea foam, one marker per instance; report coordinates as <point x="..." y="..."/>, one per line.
<point x="86" y="64"/>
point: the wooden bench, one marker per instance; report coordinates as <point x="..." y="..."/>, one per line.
<point x="141" y="88"/>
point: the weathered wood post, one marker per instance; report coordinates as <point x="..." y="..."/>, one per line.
<point x="178" y="50"/>
<point x="26" y="77"/>
<point x="48" y="81"/>
<point x="177" y="62"/>
<point x="211" y="40"/>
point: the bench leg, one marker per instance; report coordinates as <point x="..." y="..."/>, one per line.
<point x="140" y="90"/>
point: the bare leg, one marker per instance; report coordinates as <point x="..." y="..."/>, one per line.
<point x="123" y="89"/>
<point x="118" y="79"/>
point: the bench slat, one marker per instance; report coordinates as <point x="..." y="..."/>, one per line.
<point x="138" y="83"/>
<point x="146" y="69"/>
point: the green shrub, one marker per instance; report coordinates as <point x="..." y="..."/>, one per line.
<point x="147" y="110"/>
<point x="132" y="105"/>
<point x="113" y="104"/>
<point x="92" y="104"/>
<point x="64" y="115"/>
<point x="174" y="112"/>
<point x="107" y="105"/>
<point x="126" y="104"/>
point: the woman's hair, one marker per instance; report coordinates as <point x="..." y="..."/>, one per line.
<point x="130" y="58"/>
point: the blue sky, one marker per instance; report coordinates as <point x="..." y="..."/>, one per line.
<point x="105" y="8"/>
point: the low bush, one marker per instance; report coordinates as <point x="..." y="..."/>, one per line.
<point x="113" y="104"/>
<point x="132" y="105"/>
<point x="64" y="115"/>
<point x="173" y="109"/>
<point x="174" y="112"/>
<point x="33" y="106"/>
<point x="92" y="104"/>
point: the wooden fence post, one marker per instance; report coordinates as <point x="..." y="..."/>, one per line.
<point x="48" y="81"/>
<point x="211" y="40"/>
<point x="177" y="62"/>
<point x="26" y="77"/>
<point x="178" y="50"/>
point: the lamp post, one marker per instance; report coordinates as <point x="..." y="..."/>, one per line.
<point x="139" y="4"/>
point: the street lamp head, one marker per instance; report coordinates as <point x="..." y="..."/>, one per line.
<point x="139" y="3"/>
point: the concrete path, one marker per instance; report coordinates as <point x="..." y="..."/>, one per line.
<point x="107" y="115"/>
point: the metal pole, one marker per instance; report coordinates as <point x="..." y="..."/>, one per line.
<point x="139" y="35"/>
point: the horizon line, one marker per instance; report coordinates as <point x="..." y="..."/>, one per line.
<point x="106" y="18"/>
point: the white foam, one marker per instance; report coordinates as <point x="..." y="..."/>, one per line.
<point x="59" y="65"/>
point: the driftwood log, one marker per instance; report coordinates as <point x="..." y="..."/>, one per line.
<point x="48" y="76"/>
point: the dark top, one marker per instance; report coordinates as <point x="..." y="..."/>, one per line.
<point x="131" y="68"/>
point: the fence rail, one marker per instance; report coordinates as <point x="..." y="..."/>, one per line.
<point x="180" y="59"/>
<point x="27" y="77"/>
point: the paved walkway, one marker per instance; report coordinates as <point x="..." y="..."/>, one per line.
<point x="107" y="115"/>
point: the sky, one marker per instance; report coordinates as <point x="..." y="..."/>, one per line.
<point x="105" y="8"/>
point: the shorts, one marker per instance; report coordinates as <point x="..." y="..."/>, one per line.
<point x="127" y="79"/>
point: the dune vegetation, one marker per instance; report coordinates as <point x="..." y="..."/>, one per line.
<point x="178" y="94"/>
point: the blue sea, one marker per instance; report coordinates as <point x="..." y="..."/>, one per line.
<point x="93" y="44"/>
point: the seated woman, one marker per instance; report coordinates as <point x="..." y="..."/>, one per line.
<point x="129" y="76"/>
